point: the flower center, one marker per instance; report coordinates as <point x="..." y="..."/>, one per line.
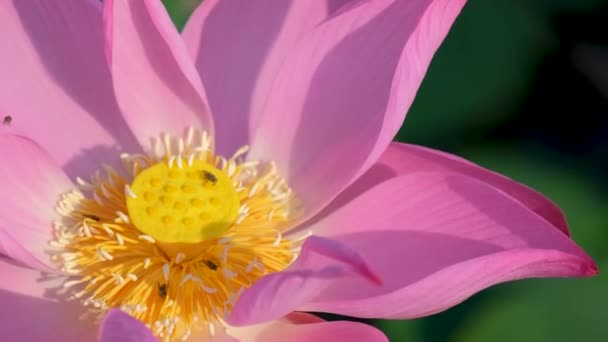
<point x="176" y="239"/>
<point x="189" y="204"/>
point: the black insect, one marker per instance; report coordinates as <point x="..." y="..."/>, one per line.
<point x="162" y="290"/>
<point x="92" y="217"/>
<point x="7" y="120"/>
<point x="212" y="265"/>
<point x="210" y="177"/>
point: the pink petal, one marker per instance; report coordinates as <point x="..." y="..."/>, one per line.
<point x="324" y="332"/>
<point x="320" y="331"/>
<point x="239" y="47"/>
<point x="119" y="326"/>
<point x="55" y="84"/>
<point x="342" y="94"/>
<point x="303" y="318"/>
<point x="405" y="158"/>
<point x="156" y="83"/>
<point x="400" y="159"/>
<point x="31" y="184"/>
<point x="320" y="262"/>
<point x="31" y="310"/>
<point x="437" y="238"/>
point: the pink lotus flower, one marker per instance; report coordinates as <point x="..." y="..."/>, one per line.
<point x="184" y="243"/>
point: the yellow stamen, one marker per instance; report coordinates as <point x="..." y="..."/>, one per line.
<point x="175" y="242"/>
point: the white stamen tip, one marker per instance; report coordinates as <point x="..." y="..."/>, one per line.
<point x="86" y="229"/>
<point x="98" y="199"/>
<point x="185" y="279"/>
<point x="223" y="241"/>
<point x="129" y="192"/>
<point x="277" y="241"/>
<point x="107" y="229"/>
<point x="180" y="257"/>
<point x="187" y="334"/>
<point x="207" y="289"/>
<point x="253" y="190"/>
<point x="147" y="238"/>
<point x="120" y="240"/>
<point x="191" y="160"/>
<point x="103" y="254"/>
<point x="229" y="273"/>
<point x="105" y="191"/>
<point x="71" y="283"/>
<point x="224" y="255"/>
<point x="251" y="264"/>
<point x="270" y="215"/>
<point x="166" y="269"/>
<point x="118" y="279"/>
<point x="124" y="218"/>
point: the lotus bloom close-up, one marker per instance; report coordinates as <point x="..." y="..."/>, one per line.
<point x="219" y="183"/>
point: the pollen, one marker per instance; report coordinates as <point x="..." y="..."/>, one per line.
<point x="175" y="237"/>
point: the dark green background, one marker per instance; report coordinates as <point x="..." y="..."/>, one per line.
<point x="521" y="87"/>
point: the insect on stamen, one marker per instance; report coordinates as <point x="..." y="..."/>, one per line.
<point x="212" y="265"/>
<point x="162" y="290"/>
<point x="210" y="177"/>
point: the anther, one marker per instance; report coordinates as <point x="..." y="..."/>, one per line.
<point x="253" y="190"/>
<point x="107" y="229"/>
<point x="71" y="283"/>
<point x="210" y="290"/>
<point x="147" y="238"/>
<point x="118" y="279"/>
<point x="229" y="273"/>
<point x="186" y="335"/>
<point x="186" y="278"/>
<point x="166" y="269"/>
<point x="189" y="135"/>
<point x="180" y="257"/>
<point x="104" y="255"/>
<point x="240" y="218"/>
<point x="277" y="241"/>
<point x="129" y="192"/>
<point x="179" y="161"/>
<point x="105" y="191"/>
<point x="241" y="151"/>
<point x="81" y="182"/>
<point x="231" y="168"/>
<point x="224" y="255"/>
<point x="260" y="266"/>
<point x="86" y="229"/>
<point x="250" y="266"/>
<point x="124" y="218"/>
<point x="270" y="215"/>
<point x="191" y="159"/>
<point x="224" y="240"/>
<point x="98" y="199"/>
<point x="120" y="240"/>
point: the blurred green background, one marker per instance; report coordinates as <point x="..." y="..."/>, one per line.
<point x="521" y="87"/>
